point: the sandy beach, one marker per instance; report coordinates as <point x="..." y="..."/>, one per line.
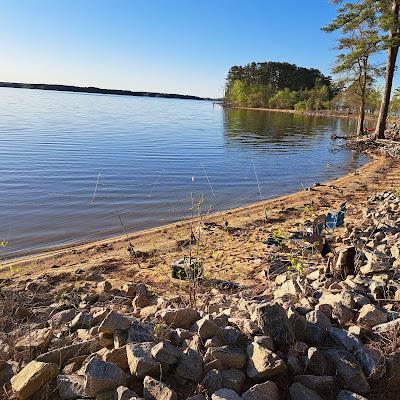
<point x="229" y="243"/>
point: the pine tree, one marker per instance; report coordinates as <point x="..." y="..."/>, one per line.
<point x="359" y="41"/>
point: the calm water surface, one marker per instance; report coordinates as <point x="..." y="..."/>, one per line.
<point x="68" y="161"/>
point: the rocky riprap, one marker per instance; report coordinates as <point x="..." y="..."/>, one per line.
<point x="329" y="331"/>
<point x="384" y="147"/>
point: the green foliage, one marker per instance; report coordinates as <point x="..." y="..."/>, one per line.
<point x="296" y="264"/>
<point x="277" y="85"/>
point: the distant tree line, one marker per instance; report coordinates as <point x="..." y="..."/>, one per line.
<point x="278" y="85"/>
<point x="96" y="90"/>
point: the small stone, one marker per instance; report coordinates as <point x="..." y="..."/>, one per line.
<point x="156" y="390"/>
<point x="32" y="378"/>
<point x="7" y="371"/>
<point x="263" y="391"/>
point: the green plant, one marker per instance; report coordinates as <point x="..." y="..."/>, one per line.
<point x="279" y="235"/>
<point x="295" y="264"/>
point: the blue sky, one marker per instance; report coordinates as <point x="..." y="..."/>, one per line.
<point x="176" y="46"/>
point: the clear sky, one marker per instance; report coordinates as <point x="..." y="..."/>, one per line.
<point x="175" y="46"/>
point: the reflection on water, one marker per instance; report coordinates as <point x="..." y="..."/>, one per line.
<point x="69" y="160"/>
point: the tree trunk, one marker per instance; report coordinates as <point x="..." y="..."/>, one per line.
<point x="390" y="65"/>
<point x="361" y="117"/>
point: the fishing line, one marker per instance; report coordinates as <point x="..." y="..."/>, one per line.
<point x="95" y="189"/>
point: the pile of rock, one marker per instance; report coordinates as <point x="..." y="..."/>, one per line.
<point x="308" y="336"/>
<point x="387" y="148"/>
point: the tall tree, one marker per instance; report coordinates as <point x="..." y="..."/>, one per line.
<point x="358" y="42"/>
<point x="389" y="21"/>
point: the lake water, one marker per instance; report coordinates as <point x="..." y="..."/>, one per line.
<point x="71" y="163"/>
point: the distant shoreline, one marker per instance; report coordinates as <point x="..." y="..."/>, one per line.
<point x="96" y="90"/>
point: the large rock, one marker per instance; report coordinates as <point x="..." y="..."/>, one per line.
<point x="273" y="321"/>
<point x="118" y="357"/>
<point x="372" y="362"/>
<point x="262" y="363"/>
<point x="206" y="329"/>
<point x="320" y="319"/>
<point x="345" y="339"/>
<point x="376" y="262"/>
<point x="225" y="394"/>
<point x="179" y="318"/>
<point x="83" y="320"/>
<point x="349" y="370"/>
<point x="190" y="366"/>
<point x="38" y="339"/>
<point x="347" y="395"/>
<point x="321" y="384"/>
<point x="166" y="353"/>
<point x="101" y="376"/>
<point x="140" y="360"/>
<point x="263" y="391"/>
<point x="139" y="333"/>
<point x="230" y="357"/>
<point x="371" y="315"/>
<point x="387" y="327"/>
<point x="316" y="361"/>
<point x="114" y="321"/>
<point x="32" y="378"/>
<point x="4" y="357"/>
<point x="7" y="371"/>
<point x="298" y="323"/>
<point x="299" y="392"/>
<point x="71" y="386"/>
<point x="233" y="379"/>
<point x="156" y="390"/>
<point x="63" y="354"/>
<point x="212" y="381"/>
